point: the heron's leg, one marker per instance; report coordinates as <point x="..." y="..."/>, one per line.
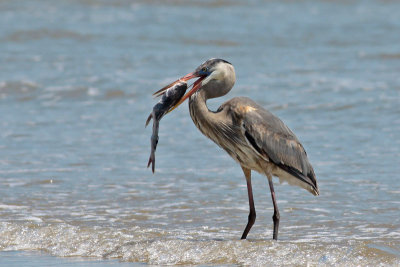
<point x="276" y="215"/>
<point x="252" y="214"/>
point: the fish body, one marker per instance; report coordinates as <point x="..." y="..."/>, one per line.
<point x="168" y="100"/>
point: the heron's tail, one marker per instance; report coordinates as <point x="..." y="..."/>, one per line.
<point x="308" y="182"/>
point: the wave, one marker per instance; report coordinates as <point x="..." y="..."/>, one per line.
<point x="155" y="246"/>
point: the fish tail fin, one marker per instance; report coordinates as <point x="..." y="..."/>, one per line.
<point x="151" y="161"/>
<point x="148" y="163"/>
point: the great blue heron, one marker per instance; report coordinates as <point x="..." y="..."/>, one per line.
<point x="250" y="134"/>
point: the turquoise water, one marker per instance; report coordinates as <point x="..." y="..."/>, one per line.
<point x="28" y="259"/>
<point x="76" y="79"/>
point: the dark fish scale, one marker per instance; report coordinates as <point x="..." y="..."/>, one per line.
<point x="168" y="100"/>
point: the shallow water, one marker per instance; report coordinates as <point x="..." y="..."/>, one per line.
<point x="76" y="79"/>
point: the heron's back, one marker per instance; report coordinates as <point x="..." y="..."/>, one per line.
<point x="273" y="141"/>
<point x="256" y="139"/>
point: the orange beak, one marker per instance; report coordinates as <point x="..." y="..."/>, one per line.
<point x="195" y="88"/>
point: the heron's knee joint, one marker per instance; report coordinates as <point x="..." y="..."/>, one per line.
<point x="276" y="216"/>
<point x="252" y="217"/>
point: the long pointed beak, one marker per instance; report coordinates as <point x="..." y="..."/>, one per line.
<point x="196" y="86"/>
<point x="184" y="79"/>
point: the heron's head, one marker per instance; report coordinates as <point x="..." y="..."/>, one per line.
<point x="215" y="76"/>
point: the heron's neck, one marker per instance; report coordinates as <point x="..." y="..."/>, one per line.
<point x="202" y="117"/>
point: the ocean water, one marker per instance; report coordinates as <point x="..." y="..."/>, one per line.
<point x="76" y="79"/>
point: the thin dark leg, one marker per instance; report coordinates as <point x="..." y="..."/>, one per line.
<point x="252" y="214"/>
<point x="276" y="215"/>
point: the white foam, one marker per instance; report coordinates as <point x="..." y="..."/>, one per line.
<point x="155" y="246"/>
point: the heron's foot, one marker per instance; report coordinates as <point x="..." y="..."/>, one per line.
<point x="251" y="220"/>
<point x="276" y="218"/>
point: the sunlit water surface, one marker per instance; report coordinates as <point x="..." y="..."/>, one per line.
<point x="76" y="79"/>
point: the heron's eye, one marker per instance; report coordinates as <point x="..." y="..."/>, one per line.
<point x="204" y="69"/>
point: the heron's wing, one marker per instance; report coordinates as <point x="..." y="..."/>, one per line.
<point x="273" y="140"/>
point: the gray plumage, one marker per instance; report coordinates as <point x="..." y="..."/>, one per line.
<point x="272" y="140"/>
<point x="168" y="100"/>
<point x="250" y="134"/>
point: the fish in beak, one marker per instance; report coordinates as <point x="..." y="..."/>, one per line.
<point x="172" y="96"/>
<point x="195" y="88"/>
<point x="169" y="99"/>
